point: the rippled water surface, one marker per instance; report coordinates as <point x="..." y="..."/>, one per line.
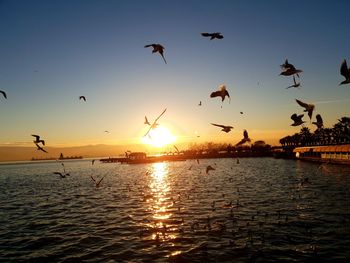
<point x="257" y="210"/>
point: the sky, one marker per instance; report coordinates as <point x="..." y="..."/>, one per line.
<point x="52" y="52"/>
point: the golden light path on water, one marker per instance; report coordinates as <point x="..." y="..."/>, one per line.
<point x="161" y="203"/>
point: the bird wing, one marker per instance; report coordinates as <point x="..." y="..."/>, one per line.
<point x="100" y="181"/>
<point x="146" y="121"/>
<point x="219" y="125"/>
<point x="37" y="137"/>
<point x="161" y="53"/>
<point x="159" y="117"/>
<point x="215" y="94"/>
<point x="58" y="173"/>
<point x="206" y="34"/>
<point x="302" y="104"/>
<point x="344" y="70"/>
<point x="82" y="97"/>
<point x="3" y="93"/>
<point x="295" y="117"/>
<point x="150" y="45"/>
<point x="176" y="148"/>
<point x="93" y="179"/>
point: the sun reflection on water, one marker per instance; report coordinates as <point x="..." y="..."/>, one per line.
<point x="161" y="203"/>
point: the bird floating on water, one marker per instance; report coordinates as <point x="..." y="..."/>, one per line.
<point x="297" y="119"/>
<point x="157" y="48"/>
<point x="3" y="93"/>
<point x="289" y="69"/>
<point x="154" y="124"/>
<point x="222" y="92"/>
<point x="345" y="71"/>
<point x="224" y="127"/>
<point x="308" y="107"/>
<point x="318" y="122"/>
<point x="37" y="139"/>
<point x="212" y="36"/>
<point x="62" y="175"/>
<point x="82" y="98"/>
<point x="245" y="138"/>
<point x="209" y="168"/>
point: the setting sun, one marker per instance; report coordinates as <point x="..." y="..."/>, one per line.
<point x="159" y="137"/>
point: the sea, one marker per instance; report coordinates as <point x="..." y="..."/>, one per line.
<point x="244" y="210"/>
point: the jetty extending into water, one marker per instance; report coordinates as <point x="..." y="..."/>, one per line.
<point x="141" y="157"/>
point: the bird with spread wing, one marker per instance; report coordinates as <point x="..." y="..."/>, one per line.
<point x="224" y="127"/>
<point x="154" y="124"/>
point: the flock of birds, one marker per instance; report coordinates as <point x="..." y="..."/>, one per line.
<point x="288" y="69"/>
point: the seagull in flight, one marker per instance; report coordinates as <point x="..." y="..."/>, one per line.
<point x="295" y="85"/>
<point x="224" y="127"/>
<point x="289" y="69"/>
<point x="318" y="122"/>
<point x="157" y="48"/>
<point x="82" y="98"/>
<point x="3" y="93"/>
<point x="222" y="92"/>
<point x="212" y="36"/>
<point x="40" y="148"/>
<point x="345" y="71"/>
<point x="37" y="139"/>
<point x="154" y="124"/>
<point x="297" y="119"/>
<point x="97" y="183"/>
<point x="309" y="108"/>
<point x="245" y="138"/>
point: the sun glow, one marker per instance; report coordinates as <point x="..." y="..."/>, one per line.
<point x="159" y="137"/>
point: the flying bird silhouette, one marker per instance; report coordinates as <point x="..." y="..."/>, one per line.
<point x="209" y="168"/>
<point x="40" y="148"/>
<point x="154" y="124"/>
<point x="97" y="183"/>
<point x="222" y="92"/>
<point x="295" y="85"/>
<point x="200" y="103"/>
<point x="212" y="36"/>
<point x="289" y="69"/>
<point x="345" y="71"/>
<point x="297" y="119"/>
<point x="318" y="122"/>
<point x="309" y="108"/>
<point x="37" y="139"/>
<point x="82" y="98"/>
<point x="245" y="138"/>
<point x="224" y="127"/>
<point x="157" y="48"/>
<point x="3" y="93"/>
